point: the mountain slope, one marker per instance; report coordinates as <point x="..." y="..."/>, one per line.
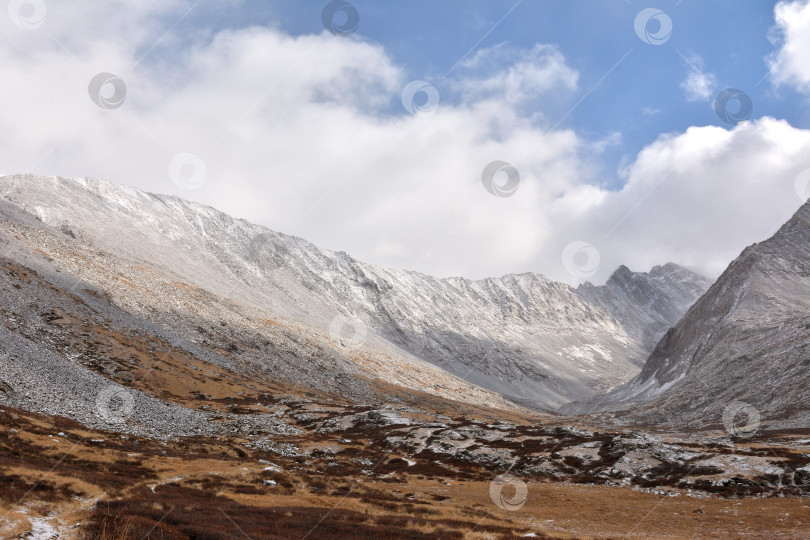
<point x="172" y="262"/>
<point x="746" y="340"/>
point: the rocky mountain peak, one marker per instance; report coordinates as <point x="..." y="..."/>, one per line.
<point x="747" y="338"/>
<point x="622" y="274"/>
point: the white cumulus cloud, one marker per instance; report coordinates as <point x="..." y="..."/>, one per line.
<point x="790" y="64"/>
<point x="307" y="135"/>
<point x="699" y="197"/>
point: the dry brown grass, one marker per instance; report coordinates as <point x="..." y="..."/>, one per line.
<point x="190" y="501"/>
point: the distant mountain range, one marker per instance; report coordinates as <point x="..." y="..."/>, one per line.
<point x="276" y="306"/>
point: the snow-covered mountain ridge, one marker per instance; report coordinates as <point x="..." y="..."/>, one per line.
<point x="524" y="336"/>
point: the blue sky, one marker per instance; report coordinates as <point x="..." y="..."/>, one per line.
<point x="611" y="145"/>
<point x="640" y="99"/>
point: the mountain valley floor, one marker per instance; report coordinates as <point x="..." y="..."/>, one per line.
<point x="357" y="472"/>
